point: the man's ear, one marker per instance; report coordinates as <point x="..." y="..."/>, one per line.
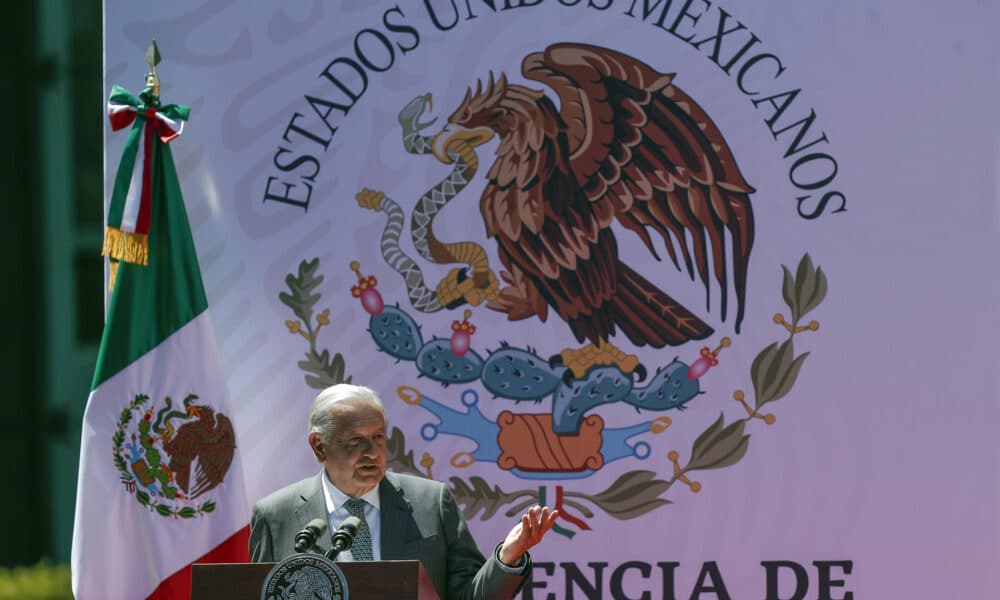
<point x="317" y="446"/>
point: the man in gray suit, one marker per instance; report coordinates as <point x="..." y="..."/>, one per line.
<point x="402" y="517"/>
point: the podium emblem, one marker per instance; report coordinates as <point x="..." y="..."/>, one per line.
<point x="304" y="576"/>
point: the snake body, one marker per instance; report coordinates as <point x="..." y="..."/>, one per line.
<point x="421" y="297"/>
<point x="163" y="418"/>
<point x="427" y="208"/>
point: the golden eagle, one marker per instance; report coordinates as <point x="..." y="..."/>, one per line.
<point x="628" y="146"/>
<point x="211" y="440"/>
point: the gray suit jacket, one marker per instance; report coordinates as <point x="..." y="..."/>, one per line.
<point x="420" y="521"/>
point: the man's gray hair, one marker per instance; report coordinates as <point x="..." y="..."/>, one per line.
<point x="321" y="419"/>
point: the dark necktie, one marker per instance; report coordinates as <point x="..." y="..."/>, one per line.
<point x="362" y="548"/>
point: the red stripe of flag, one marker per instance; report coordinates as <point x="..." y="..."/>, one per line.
<point x="233" y="550"/>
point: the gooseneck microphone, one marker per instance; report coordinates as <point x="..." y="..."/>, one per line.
<point x="343" y="538"/>
<point x="306" y="538"/>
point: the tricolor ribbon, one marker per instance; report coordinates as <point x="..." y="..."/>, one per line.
<point x="126" y="235"/>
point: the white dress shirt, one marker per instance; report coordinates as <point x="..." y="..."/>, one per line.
<point x="336" y="513"/>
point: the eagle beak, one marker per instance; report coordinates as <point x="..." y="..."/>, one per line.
<point x="453" y="135"/>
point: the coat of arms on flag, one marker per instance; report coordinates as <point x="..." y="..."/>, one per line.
<point x="169" y="456"/>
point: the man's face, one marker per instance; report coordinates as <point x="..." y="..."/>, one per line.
<point x="355" y="457"/>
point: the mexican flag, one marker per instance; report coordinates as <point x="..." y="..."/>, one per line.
<point x="160" y="483"/>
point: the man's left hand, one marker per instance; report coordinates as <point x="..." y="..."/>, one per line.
<point x="527" y="533"/>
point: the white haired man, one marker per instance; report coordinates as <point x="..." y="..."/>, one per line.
<point x="404" y="517"/>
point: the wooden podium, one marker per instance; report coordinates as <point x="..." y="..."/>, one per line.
<point x="375" y="580"/>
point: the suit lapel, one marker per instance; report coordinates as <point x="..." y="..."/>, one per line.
<point x="313" y="503"/>
<point x="396" y="517"/>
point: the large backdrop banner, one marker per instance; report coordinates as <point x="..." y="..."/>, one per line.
<point x="717" y="279"/>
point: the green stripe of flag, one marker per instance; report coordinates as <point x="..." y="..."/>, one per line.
<point x="151" y="302"/>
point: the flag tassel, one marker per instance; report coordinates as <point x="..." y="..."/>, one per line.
<point x="126" y="246"/>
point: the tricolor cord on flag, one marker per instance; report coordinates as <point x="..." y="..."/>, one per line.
<point x="126" y="237"/>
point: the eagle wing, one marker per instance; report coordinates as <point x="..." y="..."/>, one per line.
<point x="548" y="233"/>
<point x="217" y="449"/>
<point x="642" y="149"/>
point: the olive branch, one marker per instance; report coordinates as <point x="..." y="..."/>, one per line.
<point x="773" y="372"/>
<point x="119" y="437"/>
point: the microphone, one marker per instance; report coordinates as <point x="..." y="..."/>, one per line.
<point x="343" y="538"/>
<point x="306" y="538"/>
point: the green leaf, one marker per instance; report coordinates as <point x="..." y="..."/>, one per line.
<point x="760" y="367"/>
<point x="337" y="367"/>
<point x="142" y="497"/>
<point x="735" y="454"/>
<point x="164" y="510"/>
<point x="804" y="276"/>
<point x="706" y="437"/>
<point x="817" y="294"/>
<point x="477" y="495"/>
<point x="307" y="270"/>
<point x="398" y="457"/>
<point x="302" y="307"/>
<point x="787" y="381"/>
<point x="187" y="512"/>
<point x="720" y="448"/>
<point x="778" y="366"/>
<point x="325" y="373"/>
<point x="788" y="292"/>
<point x="632" y="494"/>
<point x="638" y="509"/>
<point x="300" y="297"/>
<point x="207" y="507"/>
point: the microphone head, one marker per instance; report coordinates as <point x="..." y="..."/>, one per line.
<point x="350" y="526"/>
<point x="306" y="537"/>
<point x="343" y="538"/>
<point x="319" y="525"/>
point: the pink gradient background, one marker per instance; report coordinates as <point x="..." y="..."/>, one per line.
<point x="884" y="454"/>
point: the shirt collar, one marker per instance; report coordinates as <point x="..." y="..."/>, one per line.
<point x="336" y="498"/>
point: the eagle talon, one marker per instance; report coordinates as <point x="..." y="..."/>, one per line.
<point x="580" y="361"/>
<point x="458" y="287"/>
<point x="556" y="360"/>
<point x="456" y="303"/>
